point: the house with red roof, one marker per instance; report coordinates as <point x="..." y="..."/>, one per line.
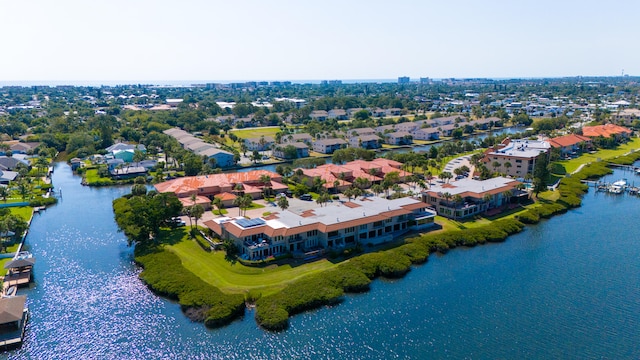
<point x="571" y="144"/>
<point x="208" y="186"/>
<point x="340" y="177"/>
<point x="607" y="131"/>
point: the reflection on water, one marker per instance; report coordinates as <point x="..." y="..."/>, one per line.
<point x="564" y="289"/>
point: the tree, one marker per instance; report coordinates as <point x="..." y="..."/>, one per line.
<point x="283" y="203"/>
<point x="446" y="176"/>
<point x="266" y="185"/>
<point x="495" y="165"/>
<point x="4" y="193"/>
<point x="197" y="211"/>
<point x="361" y="183"/>
<point x="192" y="164"/>
<point x="323" y="198"/>
<point x="138" y="189"/>
<point x="377" y="189"/>
<point x="255" y="156"/>
<point x="217" y="202"/>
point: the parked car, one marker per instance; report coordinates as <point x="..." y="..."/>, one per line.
<point x="306" y="197"/>
<point x="176" y="222"/>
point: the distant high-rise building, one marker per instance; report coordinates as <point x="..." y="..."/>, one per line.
<point x="403" y="80"/>
<point x="424" y="80"/>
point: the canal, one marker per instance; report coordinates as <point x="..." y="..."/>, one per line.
<point x="566" y="288"/>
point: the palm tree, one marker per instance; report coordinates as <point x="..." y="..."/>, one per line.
<point x="361" y="183"/>
<point x="217" y="202"/>
<point x="283" y="203"/>
<point x="266" y="185"/>
<point x="495" y="165"/>
<point x="447" y="196"/>
<point x="377" y="189"/>
<point x="507" y="165"/>
<point x="197" y="211"/>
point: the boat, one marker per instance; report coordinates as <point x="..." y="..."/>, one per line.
<point x="23" y="255"/>
<point x="621" y="183"/>
<point x="11" y="291"/>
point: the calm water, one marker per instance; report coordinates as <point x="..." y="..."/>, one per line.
<point x="568" y="288"/>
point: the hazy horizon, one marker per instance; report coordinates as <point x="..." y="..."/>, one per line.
<point x="143" y="41"/>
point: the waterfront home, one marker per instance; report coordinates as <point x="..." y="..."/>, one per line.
<point x="516" y="158"/>
<point x="311" y="232"/>
<point x="301" y="137"/>
<point x="425" y="134"/>
<point x="340" y="177"/>
<point x="125" y="151"/>
<point x="210" y="185"/>
<point x="127" y="172"/>
<point x="398" y="138"/>
<point x="619" y="133"/>
<point x="300" y="150"/>
<point x="570" y="144"/>
<point x="328" y="146"/>
<point x="260" y="143"/>
<point x="365" y="141"/>
<point x="467" y="197"/>
<point x="222" y="158"/>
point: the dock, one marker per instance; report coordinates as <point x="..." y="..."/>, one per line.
<point x="13" y="319"/>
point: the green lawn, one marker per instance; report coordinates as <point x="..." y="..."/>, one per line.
<point x="22" y="211"/>
<point x="256" y="132"/>
<point x="92" y="177"/>
<point x="213" y="268"/>
<point x="573" y="164"/>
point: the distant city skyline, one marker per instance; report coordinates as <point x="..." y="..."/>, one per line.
<point x="120" y="42"/>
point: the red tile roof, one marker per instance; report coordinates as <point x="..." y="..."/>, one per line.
<point x="605" y="130"/>
<point x="567" y="140"/>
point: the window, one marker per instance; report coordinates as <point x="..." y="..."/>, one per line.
<point x="349" y="230"/>
<point x="363" y="227"/>
<point x="333" y="233"/>
<point x="312" y="233"/>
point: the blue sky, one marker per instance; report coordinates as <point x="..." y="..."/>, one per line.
<point x="138" y="40"/>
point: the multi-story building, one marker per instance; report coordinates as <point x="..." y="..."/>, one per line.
<point x="328" y="146"/>
<point x="516" y="158"/>
<point x="467" y="197"/>
<point x="311" y="232"/>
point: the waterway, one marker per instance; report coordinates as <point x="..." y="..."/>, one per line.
<point x="567" y="288"/>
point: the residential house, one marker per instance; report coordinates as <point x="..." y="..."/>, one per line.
<point x="626" y="116"/>
<point x="467" y="197"/>
<point x="6" y="176"/>
<point x="340" y="177"/>
<point x="426" y="134"/>
<point x="338" y="114"/>
<point x="320" y="115"/>
<point x="301" y="150"/>
<point x="300" y="137"/>
<point x="213" y="184"/>
<point x="222" y="158"/>
<point x="398" y="138"/>
<point x="260" y="144"/>
<point x="365" y="141"/>
<point x="127" y="172"/>
<point x="328" y="146"/>
<point x="11" y="163"/>
<point x="311" y="233"/>
<point x="571" y="144"/>
<point x="24" y="147"/>
<point x="393" y="112"/>
<point x="607" y="130"/>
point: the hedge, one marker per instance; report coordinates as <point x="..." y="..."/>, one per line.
<point x="164" y="274"/>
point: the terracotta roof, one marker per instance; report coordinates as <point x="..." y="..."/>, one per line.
<point x="567" y="140"/>
<point x="351" y="205"/>
<point x="225" y="196"/>
<point x="604" y="130"/>
<point x="186" y="185"/>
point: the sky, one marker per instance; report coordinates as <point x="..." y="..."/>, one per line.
<point x="132" y="41"/>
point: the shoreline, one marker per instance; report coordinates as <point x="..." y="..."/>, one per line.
<point x="355" y="275"/>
